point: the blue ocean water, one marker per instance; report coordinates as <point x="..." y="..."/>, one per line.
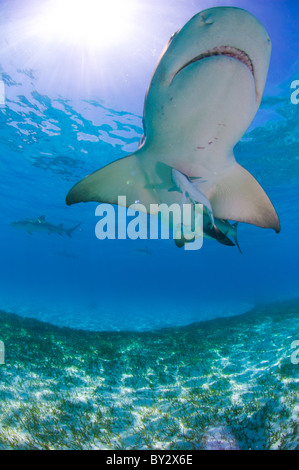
<point x="70" y="110"/>
<point x="122" y="344"/>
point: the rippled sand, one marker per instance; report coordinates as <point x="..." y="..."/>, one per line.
<point x="222" y="384"/>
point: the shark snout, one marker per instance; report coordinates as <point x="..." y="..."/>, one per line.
<point x="227" y="31"/>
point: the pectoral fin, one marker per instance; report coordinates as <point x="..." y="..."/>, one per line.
<point x="123" y="177"/>
<point x="238" y="196"/>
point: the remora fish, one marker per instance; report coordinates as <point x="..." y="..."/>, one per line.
<point x="229" y="230"/>
<point x="213" y="233"/>
<point x="204" y="93"/>
<point x="190" y="191"/>
<point x="41" y="225"/>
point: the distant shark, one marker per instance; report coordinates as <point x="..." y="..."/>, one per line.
<point x="41" y="225"/>
<point x="144" y="250"/>
<point x="204" y="93"/>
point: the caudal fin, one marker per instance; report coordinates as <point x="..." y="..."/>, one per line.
<point x="71" y="230"/>
<point x="238" y="196"/>
<point x="235" y="226"/>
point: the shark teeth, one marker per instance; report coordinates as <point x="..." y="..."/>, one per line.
<point x="234" y="53"/>
<point x="228" y="51"/>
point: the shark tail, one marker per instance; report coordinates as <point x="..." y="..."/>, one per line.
<point x="71" y="230"/>
<point x="123" y="177"/>
<point x="238" y="196"/>
<point x="235" y="226"/>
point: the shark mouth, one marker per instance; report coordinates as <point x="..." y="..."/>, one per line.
<point x="228" y="51"/>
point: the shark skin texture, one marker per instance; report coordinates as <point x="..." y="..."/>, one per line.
<point x="203" y="95"/>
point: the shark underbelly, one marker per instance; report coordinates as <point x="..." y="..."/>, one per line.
<point x="203" y="95"/>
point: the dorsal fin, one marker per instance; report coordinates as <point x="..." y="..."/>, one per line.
<point x="196" y="179"/>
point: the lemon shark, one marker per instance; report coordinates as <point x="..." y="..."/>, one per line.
<point x="40" y="224"/>
<point x="203" y="95"/>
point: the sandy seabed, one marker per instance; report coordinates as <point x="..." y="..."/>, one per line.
<point x="222" y="384"/>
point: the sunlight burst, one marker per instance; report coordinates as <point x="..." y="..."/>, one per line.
<point x="87" y="22"/>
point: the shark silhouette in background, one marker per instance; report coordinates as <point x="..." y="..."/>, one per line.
<point x="204" y="93"/>
<point x="40" y="224"/>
